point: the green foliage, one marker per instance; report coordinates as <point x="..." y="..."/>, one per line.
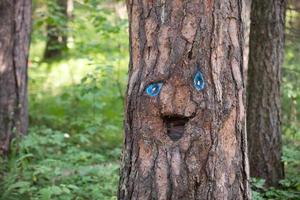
<point x="93" y="106"/>
<point x="50" y="165"/>
<point x="76" y="109"/>
<point x="288" y="189"/>
<point x="291" y="74"/>
<point x="88" y="99"/>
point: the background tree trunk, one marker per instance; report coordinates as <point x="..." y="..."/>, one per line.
<point x="184" y="143"/>
<point x="57" y="29"/>
<point x="15" y="24"/>
<point x="263" y="106"/>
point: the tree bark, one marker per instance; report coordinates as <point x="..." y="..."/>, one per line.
<point x="57" y="31"/>
<point x="15" y="25"/>
<point x="263" y="103"/>
<point x="186" y="142"/>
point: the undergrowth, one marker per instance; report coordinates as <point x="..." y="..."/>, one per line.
<point x="50" y="165"/>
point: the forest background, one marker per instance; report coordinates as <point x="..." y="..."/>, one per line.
<point x="77" y="84"/>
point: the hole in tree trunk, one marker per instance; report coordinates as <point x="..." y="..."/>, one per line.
<point x="175" y="126"/>
<point x="190" y="54"/>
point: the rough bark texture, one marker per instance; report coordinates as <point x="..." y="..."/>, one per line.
<point x="57" y="31"/>
<point x="15" y="24"/>
<point x="170" y="41"/>
<point x="263" y="105"/>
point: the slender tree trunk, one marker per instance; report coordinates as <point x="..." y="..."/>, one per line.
<point x="15" y="25"/>
<point x="57" y="31"/>
<point x="263" y="105"/>
<point x="187" y="140"/>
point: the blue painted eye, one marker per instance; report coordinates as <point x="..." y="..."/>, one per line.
<point x="199" y="81"/>
<point x="153" y="89"/>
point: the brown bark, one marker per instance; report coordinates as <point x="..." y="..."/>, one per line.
<point x="263" y="103"/>
<point x="15" y="24"/>
<point x="57" y="33"/>
<point x="185" y="143"/>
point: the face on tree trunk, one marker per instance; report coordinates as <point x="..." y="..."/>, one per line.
<point x="170" y="106"/>
<point x="184" y="123"/>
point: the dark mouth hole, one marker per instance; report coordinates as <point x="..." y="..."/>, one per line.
<point x="175" y="126"/>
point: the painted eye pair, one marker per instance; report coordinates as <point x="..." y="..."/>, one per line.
<point x="154" y="88"/>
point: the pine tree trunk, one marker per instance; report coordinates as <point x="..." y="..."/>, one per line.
<point x="263" y="103"/>
<point x="15" y="25"/>
<point x="186" y="142"/>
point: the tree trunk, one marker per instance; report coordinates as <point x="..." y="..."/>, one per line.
<point x="263" y="105"/>
<point x="185" y="132"/>
<point x="57" y="30"/>
<point x="15" y="25"/>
